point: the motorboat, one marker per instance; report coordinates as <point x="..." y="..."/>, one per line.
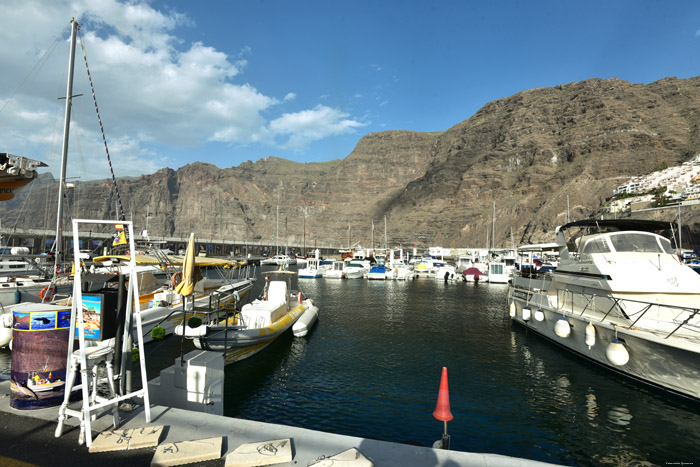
<point x="216" y="289"/>
<point x="312" y="270"/>
<point x="619" y="297"/>
<point x="354" y="269"/>
<point x="256" y="326"/>
<point x="474" y="274"/>
<point x="335" y="271"/>
<point x="160" y="306"/>
<point x="425" y="267"/>
<point x="403" y="272"/>
<point x="377" y="272"/>
<point x="448" y="273"/>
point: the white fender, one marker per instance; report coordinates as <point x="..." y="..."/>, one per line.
<point x="512" y="309"/>
<point x="539" y="315"/>
<point x="617" y="353"/>
<point x="590" y="335"/>
<point x="562" y="328"/>
<point x="526" y="313"/>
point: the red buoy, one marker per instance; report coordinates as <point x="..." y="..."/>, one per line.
<point x="442" y="410"/>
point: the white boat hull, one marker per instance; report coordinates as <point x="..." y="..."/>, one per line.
<point x="670" y="363"/>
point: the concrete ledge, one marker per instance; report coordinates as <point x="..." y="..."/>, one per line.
<point x="309" y="446"/>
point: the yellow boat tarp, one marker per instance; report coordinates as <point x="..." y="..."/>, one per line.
<point x="174" y="260"/>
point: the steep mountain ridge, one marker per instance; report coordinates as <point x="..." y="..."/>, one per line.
<point x="532" y="154"/>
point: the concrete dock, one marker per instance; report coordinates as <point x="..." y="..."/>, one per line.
<point x="28" y="438"/>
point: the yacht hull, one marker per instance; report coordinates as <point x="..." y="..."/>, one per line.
<point x="669" y="363"/>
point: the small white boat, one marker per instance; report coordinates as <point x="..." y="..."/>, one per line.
<point x="335" y="271"/>
<point x="312" y="270"/>
<point x="306" y="322"/>
<point x="377" y="273"/>
<point x="257" y="325"/>
<point x="354" y="270"/>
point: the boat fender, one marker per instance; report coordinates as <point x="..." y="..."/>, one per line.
<point x="617" y="353"/>
<point x="590" y="335"/>
<point x="512" y="309"/>
<point x="539" y="315"/>
<point x="177" y="278"/>
<point x="18" y="296"/>
<point x="47" y="293"/>
<point x="562" y="328"/>
<point x="299" y="298"/>
<point x="6" y="320"/>
<point x="526" y="313"/>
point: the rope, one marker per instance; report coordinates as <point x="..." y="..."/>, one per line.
<point x="37" y="67"/>
<point x="104" y="138"/>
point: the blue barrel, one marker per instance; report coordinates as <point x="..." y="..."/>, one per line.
<point x="40" y="336"/>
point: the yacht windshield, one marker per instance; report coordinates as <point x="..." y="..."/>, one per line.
<point x="640" y="243"/>
<point x="596" y="245"/>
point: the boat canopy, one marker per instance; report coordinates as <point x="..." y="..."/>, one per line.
<point x="199" y="261"/>
<point x="617" y="225"/>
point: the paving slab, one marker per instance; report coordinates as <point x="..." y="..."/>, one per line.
<point x="186" y="452"/>
<point x="120" y="440"/>
<point x="276" y="451"/>
<point x="350" y="458"/>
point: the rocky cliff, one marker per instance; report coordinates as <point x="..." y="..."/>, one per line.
<point x="530" y="155"/>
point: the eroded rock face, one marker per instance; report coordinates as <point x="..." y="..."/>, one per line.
<point x="532" y="154"/>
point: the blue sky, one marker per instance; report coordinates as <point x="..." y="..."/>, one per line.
<point x="228" y="81"/>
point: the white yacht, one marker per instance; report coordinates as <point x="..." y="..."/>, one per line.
<point x="621" y="298"/>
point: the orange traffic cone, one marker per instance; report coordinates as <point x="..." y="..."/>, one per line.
<point x="442" y="410"/>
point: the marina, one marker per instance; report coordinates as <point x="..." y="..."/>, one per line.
<point x="584" y="351"/>
<point x="370" y="368"/>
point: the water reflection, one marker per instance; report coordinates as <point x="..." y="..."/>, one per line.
<point x="371" y="367"/>
<point x="5" y="362"/>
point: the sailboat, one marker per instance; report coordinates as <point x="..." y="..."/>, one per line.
<point x="45" y="291"/>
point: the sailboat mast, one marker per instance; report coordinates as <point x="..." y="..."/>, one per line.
<point x="493" y="227"/>
<point x="64" y="152"/>
<point x="385" y="242"/>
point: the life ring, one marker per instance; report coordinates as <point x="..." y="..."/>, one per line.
<point x="47" y="293"/>
<point x="177" y="278"/>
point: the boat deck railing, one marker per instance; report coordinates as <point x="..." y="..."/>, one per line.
<point x="621" y="312"/>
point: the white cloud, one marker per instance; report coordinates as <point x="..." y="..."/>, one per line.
<point x="153" y="88"/>
<point x="310" y="125"/>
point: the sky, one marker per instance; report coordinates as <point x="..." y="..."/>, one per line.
<point x="227" y="81"/>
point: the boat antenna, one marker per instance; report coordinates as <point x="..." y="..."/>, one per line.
<point x="99" y="119"/>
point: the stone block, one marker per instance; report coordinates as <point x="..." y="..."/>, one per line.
<point x="186" y="452"/>
<point x="119" y="440"/>
<point x="262" y="453"/>
<point x="351" y="458"/>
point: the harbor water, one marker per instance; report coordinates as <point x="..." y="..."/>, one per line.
<point x="371" y="368"/>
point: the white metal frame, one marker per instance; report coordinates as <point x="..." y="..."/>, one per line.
<point x="77" y="314"/>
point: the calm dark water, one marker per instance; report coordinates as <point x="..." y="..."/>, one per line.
<point x="371" y="367"/>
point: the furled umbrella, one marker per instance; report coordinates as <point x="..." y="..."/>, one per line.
<point x="186" y="288"/>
